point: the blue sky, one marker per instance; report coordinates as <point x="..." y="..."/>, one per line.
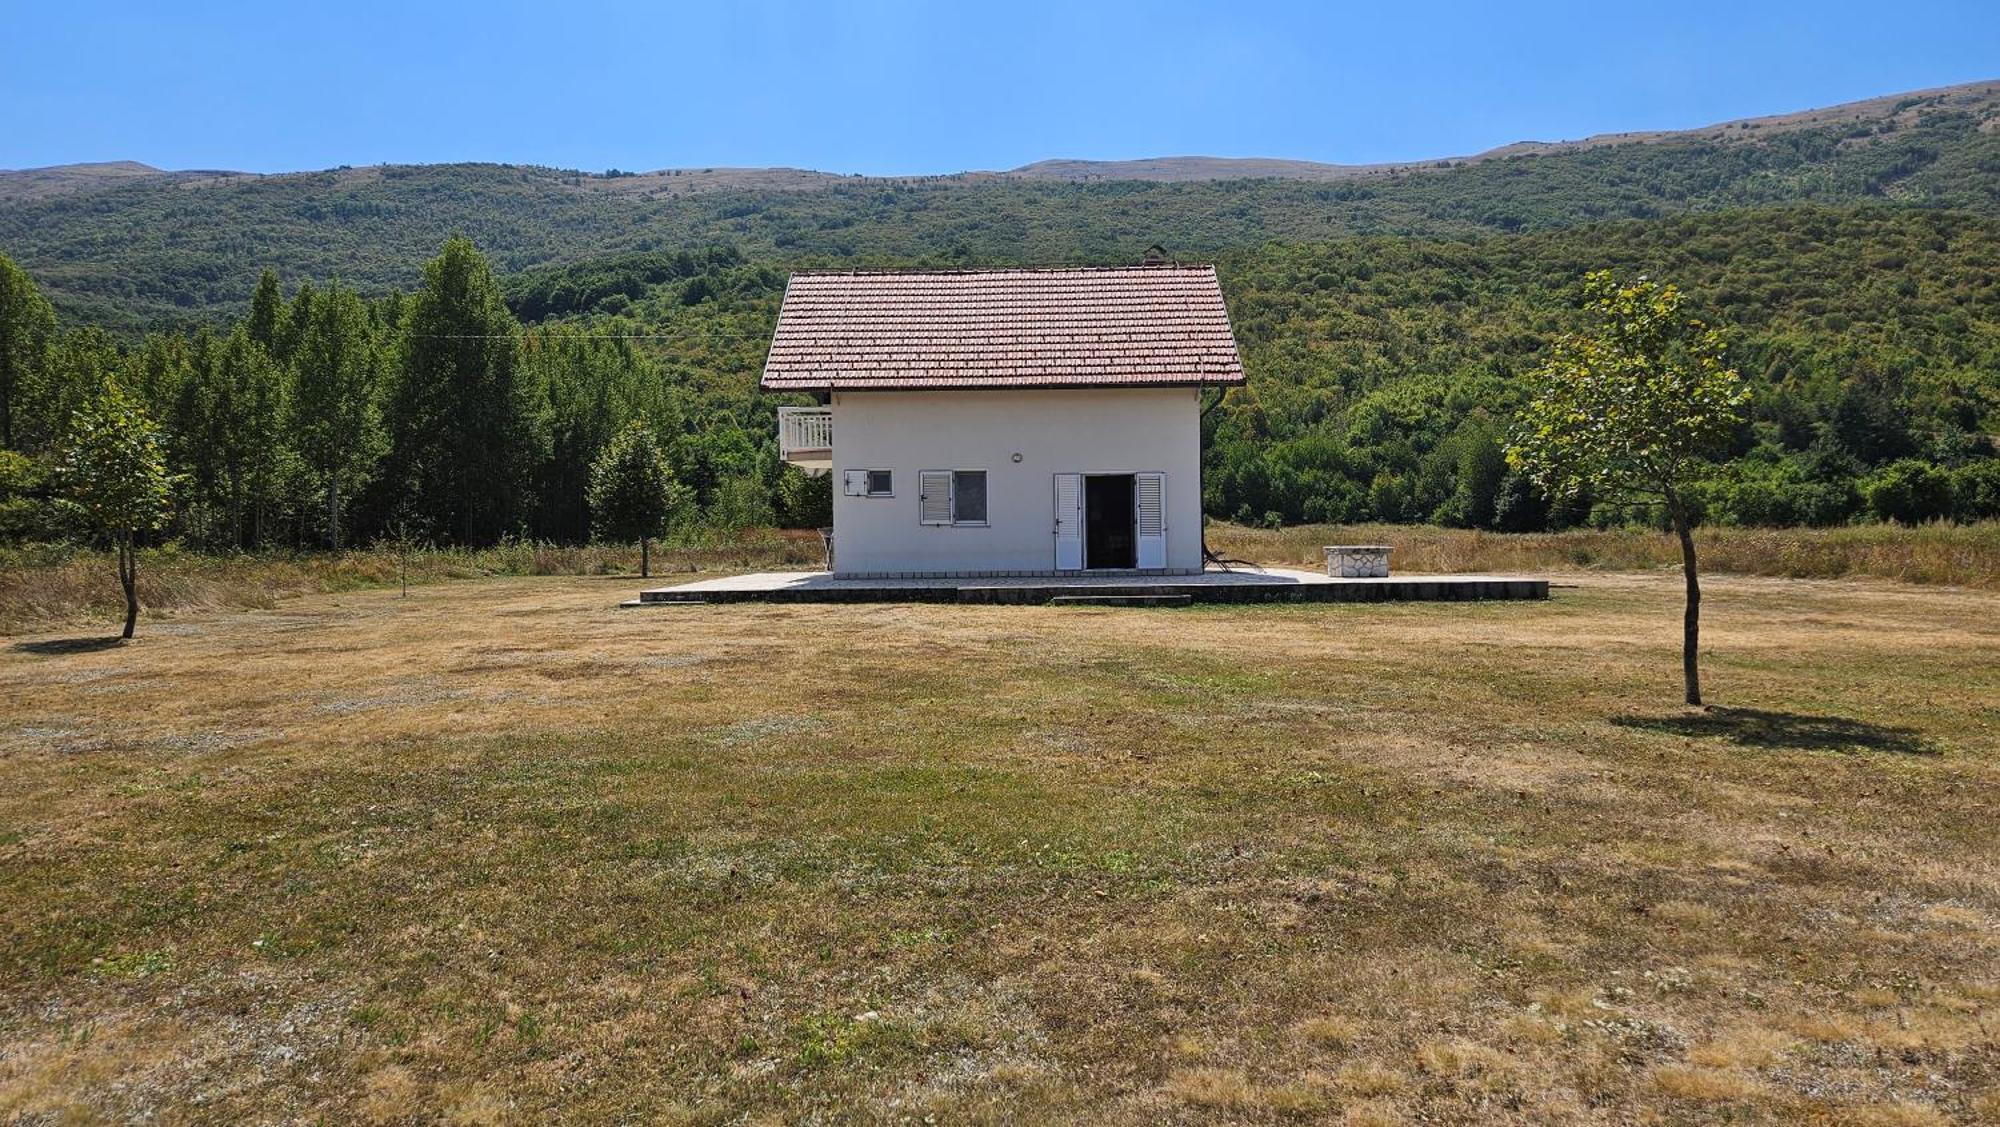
<point x="895" y="88"/>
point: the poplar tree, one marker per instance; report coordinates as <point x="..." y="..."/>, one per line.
<point x="333" y="418"/>
<point x="156" y="370"/>
<point x="73" y="371"/>
<point x="27" y="325"/>
<point x="590" y="387"/>
<point x="462" y="416"/>
<point x="267" y="311"/>
<point x="229" y="419"/>
<point x="291" y="325"/>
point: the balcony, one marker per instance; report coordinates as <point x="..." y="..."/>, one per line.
<point x="805" y="438"/>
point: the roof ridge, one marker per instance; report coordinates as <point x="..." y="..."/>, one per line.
<point x="911" y="271"/>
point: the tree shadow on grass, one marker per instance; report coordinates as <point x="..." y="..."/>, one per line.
<point x="1789" y="731"/>
<point x="56" y="647"/>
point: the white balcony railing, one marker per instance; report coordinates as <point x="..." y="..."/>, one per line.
<point x="805" y="436"/>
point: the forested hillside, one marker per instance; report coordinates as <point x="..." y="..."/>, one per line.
<point x="166" y="250"/>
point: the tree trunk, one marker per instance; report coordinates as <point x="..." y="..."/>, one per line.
<point x="1691" y="620"/>
<point x="645" y="558"/>
<point x="333" y="511"/>
<point x="128" y="578"/>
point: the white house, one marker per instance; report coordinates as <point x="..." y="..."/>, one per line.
<point x="1016" y="422"/>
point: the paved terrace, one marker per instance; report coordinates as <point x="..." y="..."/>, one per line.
<point x="1238" y="585"/>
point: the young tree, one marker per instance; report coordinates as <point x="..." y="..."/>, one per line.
<point x="632" y="491"/>
<point x="333" y="417"/>
<point x="27" y="323"/>
<point x="1633" y="412"/>
<point x="114" y="473"/>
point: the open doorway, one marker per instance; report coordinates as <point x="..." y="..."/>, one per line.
<point x="1109" y="539"/>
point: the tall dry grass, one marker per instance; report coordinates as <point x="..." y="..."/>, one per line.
<point x="1956" y="555"/>
<point x="43" y="586"/>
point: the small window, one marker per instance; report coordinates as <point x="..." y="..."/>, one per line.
<point x="952" y="497"/>
<point x="968" y="497"/>
<point x="866" y="483"/>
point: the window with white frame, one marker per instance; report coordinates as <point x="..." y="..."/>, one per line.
<point x="868" y="483"/>
<point x="956" y="497"/>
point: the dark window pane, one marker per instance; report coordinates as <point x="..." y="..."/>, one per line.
<point x="879" y="483"/>
<point x="968" y="497"/>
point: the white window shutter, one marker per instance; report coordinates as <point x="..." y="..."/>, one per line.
<point x="854" y="483"/>
<point x="1151" y="519"/>
<point x="1069" y="522"/>
<point x="934" y="496"/>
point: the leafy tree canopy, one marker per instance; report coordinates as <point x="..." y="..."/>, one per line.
<point x="632" y="488"/>
<point x="1630" y="410"/>
<point x="113" y="470"/>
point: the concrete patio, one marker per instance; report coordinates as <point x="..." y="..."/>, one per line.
<point x="1236" y="585"/>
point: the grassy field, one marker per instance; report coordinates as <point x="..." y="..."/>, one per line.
<point x="42" y="588"/>
<point x="499" y="850"/>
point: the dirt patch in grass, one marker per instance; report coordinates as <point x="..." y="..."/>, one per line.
<point x="500" y="851"/>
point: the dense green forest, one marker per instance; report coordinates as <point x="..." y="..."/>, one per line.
<point x="164" y="251"/>
<point x="1383" y="371"/>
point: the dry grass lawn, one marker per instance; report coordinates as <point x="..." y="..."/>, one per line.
<point x="500" y="851"/>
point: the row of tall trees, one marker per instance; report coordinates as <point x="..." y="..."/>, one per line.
<point x="324" y="418"/>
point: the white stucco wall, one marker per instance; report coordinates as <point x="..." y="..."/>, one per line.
<point x="1084" y="430"/>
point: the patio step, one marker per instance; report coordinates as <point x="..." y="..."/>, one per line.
<point x="1278" y="585"/>
<point x="1121" y="600"/>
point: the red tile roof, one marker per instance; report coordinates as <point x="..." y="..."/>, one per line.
<point x="1129" y="326"/>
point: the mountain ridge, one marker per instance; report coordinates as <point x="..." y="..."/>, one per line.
<point x="1976" y="96"/>
<point x="1983" y="93"/>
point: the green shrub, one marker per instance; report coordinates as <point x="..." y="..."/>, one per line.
<point x="1909" y="491"/>
<point x="1975" y="490"/>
